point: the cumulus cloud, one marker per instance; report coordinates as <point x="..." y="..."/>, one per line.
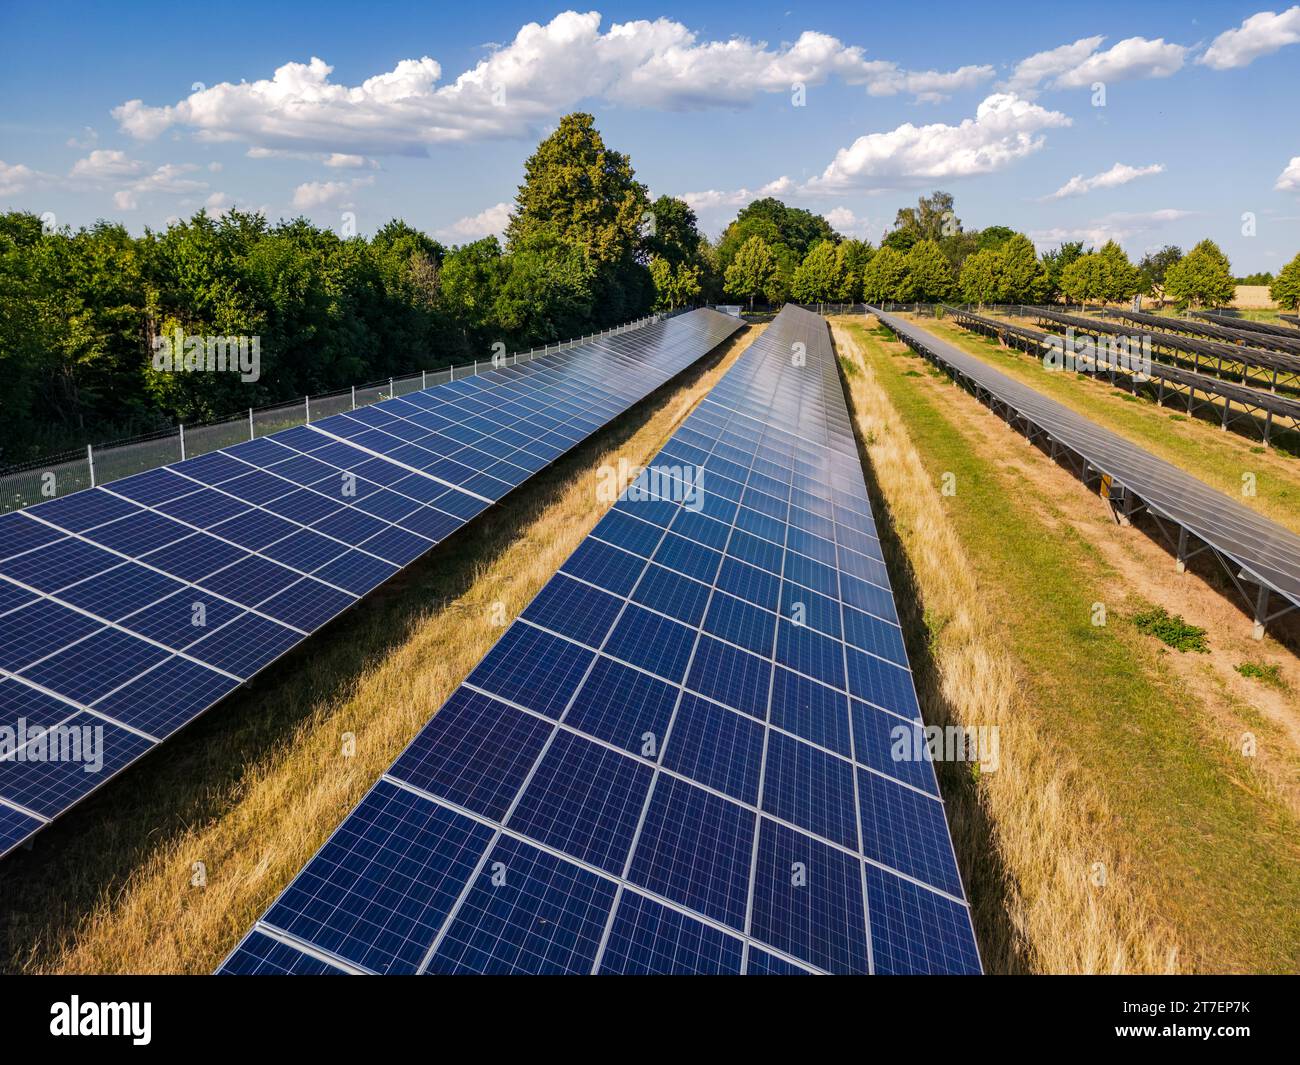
<point x="1261" y="34"/>
<point x="1287" y="181"/>
<point x="1079" y="65"/>
<point x="712" y="199"/>
<point x="1118" y="226"/>
<point x="16" y="178"/>
<point x="1119" y="174"/>
<point x="321" y="193"/>
<point x="334" y="160"/>
<point x="544" y="71"/>
<point x="844" y="221"/>
<point x="105" y="163"/>
<point x="125" y="200"/>
<point x="1005" y="128"/>
<point x="487" y="223"/>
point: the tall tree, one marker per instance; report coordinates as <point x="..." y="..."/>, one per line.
<point x="886" y="278"/>
<point x="1285" y="289"/>
<point x="929" y="271"/>
<point x="752" y="271"/>
<point x="818" y="278"/>
<point x="1202" y="278"/>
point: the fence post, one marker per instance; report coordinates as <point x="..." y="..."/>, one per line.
<point x="306" y="402"/>
<point x="354" y="397"/>
<point x="251" y="434"/>
<point x="90" y="461"/>
<point x="424" y="380"/>
<point x="390" y="388"/>
<point x="453" y="371"/>
<point x="181" y="427"/>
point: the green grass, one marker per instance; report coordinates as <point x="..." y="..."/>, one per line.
<point x="1270" y="674"/>
<point x="1201" y="449"/>
<point x="1172" y="630"/>
<point x="1219" y="854"/>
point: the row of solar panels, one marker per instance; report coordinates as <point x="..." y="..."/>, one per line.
<point x="1260" y="551"/>
<point x="1036" y="340"/>
<point x="1253" y="338"/>
<point x="1249" y="325"/>
<point x="1221" y="351"/>
<point x="134" y="607"/>
<point x="684" y="756"/>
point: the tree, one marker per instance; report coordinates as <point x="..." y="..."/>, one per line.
<point x="930" y="274"/>
<point x="752" y="271"/>
<point x="886" y="278"/>
<point x="1023" y="278"/>
<point x="583" y="192"/>
<point x="852" y="257"/>
<point x="818" y="277"/>
<point x="994" y="237"/>
<point x="1054" y="266"/>
<point x="1285" y="289"/>
<point x="1155" y="265"/>
<point x="932" y="218"/>
<point x="1121" y="276"/>
<point x="790" y="232"/>
<point x="982" y="277"/>
<point x="1202" y="278"/>
<point x="675" y="286"/>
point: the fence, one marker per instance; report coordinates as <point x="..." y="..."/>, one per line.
<point x="57" y="475"/>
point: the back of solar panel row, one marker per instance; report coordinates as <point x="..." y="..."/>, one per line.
<point x="681" y="757"/>
<point x="133" y="607"/>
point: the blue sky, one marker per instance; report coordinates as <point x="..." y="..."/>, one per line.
<point x="149" y="111"/>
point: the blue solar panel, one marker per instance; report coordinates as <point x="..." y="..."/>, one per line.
<point x="691" y="765"/>
<point x="232" y="558"/>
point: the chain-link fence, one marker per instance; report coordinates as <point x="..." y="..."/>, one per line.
<point x="57" y="475"/>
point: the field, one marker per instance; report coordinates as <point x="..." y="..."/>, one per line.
<point x="1125" y="831"/>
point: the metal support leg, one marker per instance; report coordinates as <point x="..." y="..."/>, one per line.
<point x="1180" y="559"/>
<point x="1261" y="612"/>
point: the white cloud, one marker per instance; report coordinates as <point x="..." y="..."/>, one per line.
<point x="106" y="163"/>
<point x="319" y="193"/>
<point x="843" y="220"/>
<point x="217" y="202"/>
<point x="1079" y="65"/>
<point x="544" y="71"/>
<point x="334" y="160"/>
<point x="712" y="199"/>
<point x="1119" y="174"/>
<point x="87" y="139"/>
<point x="1118" y="226"/>
<point x="169" y="178"/>
<point x="1287" y="181"/>
<point x="125" y="200"/>
<point x="15" y="178"/>
<point x="929" y="86"/>
<point x="1005" y="128"/>
<point x="489" y="222"/>
<point x="1261" y="34"/>
<point x="346" y="161"/>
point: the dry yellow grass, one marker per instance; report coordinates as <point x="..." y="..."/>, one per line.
<point x="281" y="808"/>
<point x="1030" y="835"/>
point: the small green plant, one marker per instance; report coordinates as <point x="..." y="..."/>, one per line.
<point x="912" y="373"/>
<point x="1270" y="673"/>
<point x="1172" y="629"/>
<point x="1178" y="417"/>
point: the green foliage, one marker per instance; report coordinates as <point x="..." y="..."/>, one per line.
<point x="1262" y="277"/>
<point x="1056" y="262"/>
<point x="886" y="278"/>
<point x="1172" y="629"/>
<point x="1105" y="276"/>
<point x="981" y="277"/>
<point x="79" y="311"/>
<point x="1155" y="265"/>
<point x="789" y="232"/>
<point x="675" y="286"/>
<point x="1202" y="278"/>
<point x="753" y="272"/>
<point x="1285" y="289"/>
<point x="929" y="272"/>
<point x="1270" y="674"/>
<point x="819" y="278"/>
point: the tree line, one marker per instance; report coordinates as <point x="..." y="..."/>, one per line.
<point x="586" y="247"/>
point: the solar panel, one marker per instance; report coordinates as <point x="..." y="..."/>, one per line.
<point x="1251" y="547"/>
<point x="133" y="607"/>
<point x="678" y="758"/>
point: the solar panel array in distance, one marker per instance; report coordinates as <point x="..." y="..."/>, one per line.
<point x="678" y="759"/>
<point x="135" y="606"/>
